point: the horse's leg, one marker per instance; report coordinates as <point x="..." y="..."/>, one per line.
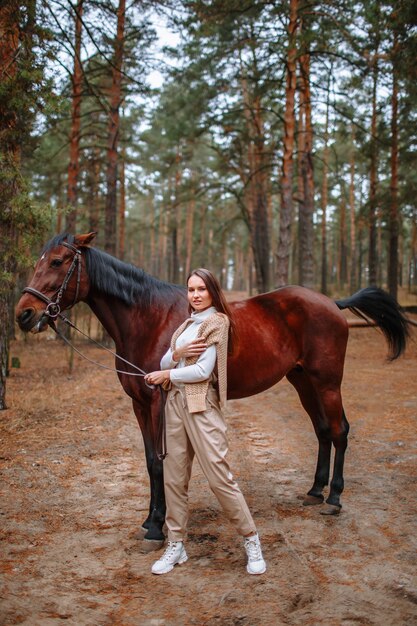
<point x="323" y="402"/>
<point x="340" y="431"/>
<point x="156" y="516"/>
<point x="308" y="396"/>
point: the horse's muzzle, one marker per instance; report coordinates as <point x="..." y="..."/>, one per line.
<point x="32" y="321"/>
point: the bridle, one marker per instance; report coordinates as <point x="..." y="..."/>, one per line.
<point x="53" y="309"/>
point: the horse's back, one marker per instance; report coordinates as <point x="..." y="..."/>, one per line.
<point x="280" y="330"/>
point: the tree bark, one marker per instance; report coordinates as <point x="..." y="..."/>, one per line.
<point x="393" y="215"/>
<point x="342" y="241"/>
<point x="412" y="266"/>
<point x="94" y="195"/>
<point x="189" y="229"/>
<point x="9" y="184"/>
<point x="353" y="252"/>
<point x="122" y="208"/>
<point x="372" y="219"/>
<point x="113" y="134"/>
<point x="306" y="206"/>
<point x="256" y="196"/>
<point x="324" y="196"/>
<point x="162" y="243"/>
<point x="286" y="213"/>
<point x="74" y="161"/>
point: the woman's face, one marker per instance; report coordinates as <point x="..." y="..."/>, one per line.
<point x="198" y="294"/>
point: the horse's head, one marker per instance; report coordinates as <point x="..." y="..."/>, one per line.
<point x="59" y="281"/>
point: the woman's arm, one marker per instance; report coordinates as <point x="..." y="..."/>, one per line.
<point x="171" y="358"/>
<point x="167" y="362"/>
<point x="201" y="370"/>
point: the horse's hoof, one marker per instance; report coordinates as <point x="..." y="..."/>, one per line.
<point x="312" y="500"/>
<point x="140" y="534"/>
<point x="150" y="545"/>
<point x="330" y="509"/>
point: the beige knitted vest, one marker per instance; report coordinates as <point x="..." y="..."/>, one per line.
<point x="214" y="329"/>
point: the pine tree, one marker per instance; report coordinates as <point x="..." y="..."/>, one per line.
<point x="20" y="92"/>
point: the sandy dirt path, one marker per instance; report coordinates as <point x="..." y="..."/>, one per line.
<point x="74" y="492"/>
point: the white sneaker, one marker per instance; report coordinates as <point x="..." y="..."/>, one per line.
<point x="256" y="563"/>
<point x="174" y="554"/>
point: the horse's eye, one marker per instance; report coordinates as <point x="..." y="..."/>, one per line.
<point x="56" y="263"/>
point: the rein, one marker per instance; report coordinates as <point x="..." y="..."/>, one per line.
<point x="162" y="454"/>
<point x="141" y="372"/>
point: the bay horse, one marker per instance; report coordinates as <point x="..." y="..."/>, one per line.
<point x="292" y="331"/>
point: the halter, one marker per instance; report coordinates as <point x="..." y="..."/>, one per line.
<point x="53" y="309"/>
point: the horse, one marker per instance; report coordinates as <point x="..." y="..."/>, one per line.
<point x="292" y="331"/>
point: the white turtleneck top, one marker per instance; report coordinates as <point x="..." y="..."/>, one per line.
<point x="202" y="370"/>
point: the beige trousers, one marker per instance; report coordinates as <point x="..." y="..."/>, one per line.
<point x="202" y="435"/>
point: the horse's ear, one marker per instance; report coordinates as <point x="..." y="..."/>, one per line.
<point x="84" y="240"/>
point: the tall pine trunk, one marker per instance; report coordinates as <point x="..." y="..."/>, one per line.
<point x="286" y="212"/>
<point x="393" y="215"/>
<point x="324" y="196"/>
<point x="353" y="281"/>
<point x="189" y="229"/>
<point x="256" y="196"/>
<point x="260" y="222"/>
<point x="74" y="161"/>
<point x="122" y="208"/>
<point x="412" y="265"/>
<point x="372" y="216"/>
<point x="342" y="240"/>
<point x="110" y="229"/>
<point x="306" y="212"/>
<point x="9" y="183"/>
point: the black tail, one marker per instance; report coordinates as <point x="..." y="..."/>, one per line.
<point x="379" y="306"/>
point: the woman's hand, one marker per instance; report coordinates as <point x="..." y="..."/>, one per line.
<point x="157" y="378"/>
<point x="194" y="348"/>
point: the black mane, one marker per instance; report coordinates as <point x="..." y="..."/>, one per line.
<point x="113" y="277"/>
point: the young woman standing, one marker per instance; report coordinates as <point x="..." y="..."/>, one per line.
<point x="195" y="367"/>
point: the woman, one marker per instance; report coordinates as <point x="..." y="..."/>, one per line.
<point x="194" y="421"/>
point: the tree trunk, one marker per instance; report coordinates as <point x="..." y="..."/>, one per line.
<point x="324" y="196"/>
<point x="94" y="195"/>
<point x="306" y="212"/>
<point x="9" y="185"/>
<point x="74" y="162"/>
<point x="122" y="208"/>
<point x="353" y="254"/>
<point x="286" y="213"/>
<point x="113" y="134"/>
<point x="162" y="243"/>
<point x="189" y="229"/>
<point x="342" y="241"/>
<point x="153" y="263"/>
<point x="412" y="266"/>
<point x="393" y="215"/>
<point x="256" y="196"/>
<point x="372" y="254"/>
<point x="260" y="222"/>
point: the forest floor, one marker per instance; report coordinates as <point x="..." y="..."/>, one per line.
<point x="74" y="493"/>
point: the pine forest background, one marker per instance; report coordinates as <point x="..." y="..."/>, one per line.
<point x="273" y="142"/>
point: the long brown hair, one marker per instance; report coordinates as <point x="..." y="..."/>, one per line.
<point x="219" y="300"/>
